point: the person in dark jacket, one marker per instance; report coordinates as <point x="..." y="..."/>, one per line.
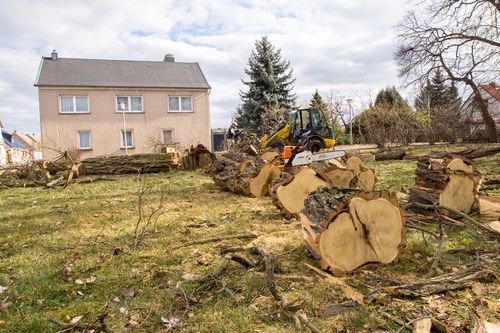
<point x="232" y="135"/>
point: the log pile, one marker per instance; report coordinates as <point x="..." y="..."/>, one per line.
<point x="63" y="169"/>
<point x="448" y="180"/>
<point x="248" y="144"/>
<point x="255" y="176"/>
<point x="347" y="230"/>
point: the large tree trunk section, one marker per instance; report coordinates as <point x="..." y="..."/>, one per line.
<point x="346" y="231"/>
<point x="125" y="164"/>
<point x="451" y="181"/>
<point x="243" y="174"/>
<point x="290" y="191"/>
<point x="364" y="178"/>
<point x="269" y="154"/>
<point x="489" y="207"/>
<point x="259" y="185"/>
<point x="197" y="157"/>
<point x="340" y="176"/>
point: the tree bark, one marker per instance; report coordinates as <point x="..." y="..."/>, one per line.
<point x="347" y="229"/>
<point x="244" y="174"/>
<point x="398" y="155"/>
<point x="447" y="180"/>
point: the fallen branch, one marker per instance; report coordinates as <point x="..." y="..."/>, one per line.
<point x="84" y="326"/>
<point x="335" y="309"/>
<point x="213" y="239"/>
<point x="457" y="280"/>
<point x="467" y="217"/>
<point x="302" y="317"/>
<point x="271" y="266"/>
<point x="223" y="267"/>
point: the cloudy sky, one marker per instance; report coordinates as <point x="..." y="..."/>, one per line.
<point x="340" y="46"/>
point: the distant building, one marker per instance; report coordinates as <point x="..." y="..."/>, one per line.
<point x="15" y="151"/>
<point x="3" y="150"/>
<point x="98" y="107"/>
<point x="490" y="93"/>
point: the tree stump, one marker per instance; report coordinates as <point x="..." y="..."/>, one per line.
<point x="346" y="230"/>
<point x="448" y="180"/>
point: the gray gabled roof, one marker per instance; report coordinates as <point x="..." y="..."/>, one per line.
<point x="119" y="73"/>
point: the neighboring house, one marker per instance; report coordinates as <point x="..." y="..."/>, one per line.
<point x="98" y="107"/>
<point x="16" y="152"/>
<point x="31" y="142"/>
<point x="471" y="113"/>
<point x="3" y="150"/>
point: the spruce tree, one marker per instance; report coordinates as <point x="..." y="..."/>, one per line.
<point x="269" y="87"/>
<point x="442" y="105"/>
<point x="318" y="103"/>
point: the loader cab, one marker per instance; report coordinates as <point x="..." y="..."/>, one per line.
<point x="303" y="123"/>
<point x="311" y="123"/>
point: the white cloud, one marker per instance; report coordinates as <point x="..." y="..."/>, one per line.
<point x="339" y="45"/>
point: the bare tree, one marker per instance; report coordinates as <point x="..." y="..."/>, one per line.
<point x="459" y="37"/>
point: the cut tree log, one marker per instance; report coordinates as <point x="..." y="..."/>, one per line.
<point x="340" y="176"/>
<point x="397" y="155"/>
<point x="489" y="207"/>
<point x="290" y="190"/>
<point x="244" y="174"/>
<point x="126" y="164"/>
<point x="447" y="180"/>
<point x="259" y="185"/>
<point x="364" y="178"/>
<point x="197" y="157"/>
<point x="347" y="229"/>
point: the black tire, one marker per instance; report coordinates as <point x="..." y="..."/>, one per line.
<point x="315" y="145"/>
<point x="277" y="144"/>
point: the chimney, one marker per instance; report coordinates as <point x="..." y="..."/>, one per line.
<point x="169" y="58"/>
<point x="53" y="55"/>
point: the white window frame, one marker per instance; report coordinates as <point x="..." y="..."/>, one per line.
<point x="168" y="139"/>
<point x="74" y="104"/>
<point x="180" y="104"/>
<point x="122" y="139"/>
<point x="79" y="139"/>
<point x="128" y="103"/>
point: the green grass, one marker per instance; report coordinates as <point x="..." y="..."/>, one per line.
<point x="53" y="238"/>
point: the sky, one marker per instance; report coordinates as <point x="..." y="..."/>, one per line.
<point x="342" y="48"/>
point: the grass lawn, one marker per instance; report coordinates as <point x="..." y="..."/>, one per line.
<point x="107" y="252"/>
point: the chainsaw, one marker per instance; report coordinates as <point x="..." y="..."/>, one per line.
<point x="298" y="155"/>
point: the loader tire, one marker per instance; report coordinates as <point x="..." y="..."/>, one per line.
<point x="277" y="144"/>
<point x="315" y="145"/>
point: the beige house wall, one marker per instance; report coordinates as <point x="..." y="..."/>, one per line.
<point x="60" y="131"/>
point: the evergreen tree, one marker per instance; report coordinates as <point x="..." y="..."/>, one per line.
<point x="390" y="96"/>
<point x="442" y="105"/>
<point x="318" y="103"/>
<point x="269" y="88"/>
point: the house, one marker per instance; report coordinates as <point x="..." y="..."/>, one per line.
<point x="95" y="107"/>
<point x="3" y="150"/>
<point x="490" y="93"/>
<point x="31" y="142"/>
<point x="15" y="151"/>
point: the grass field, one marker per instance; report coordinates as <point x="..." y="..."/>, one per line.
<point x="105" y="253"/>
